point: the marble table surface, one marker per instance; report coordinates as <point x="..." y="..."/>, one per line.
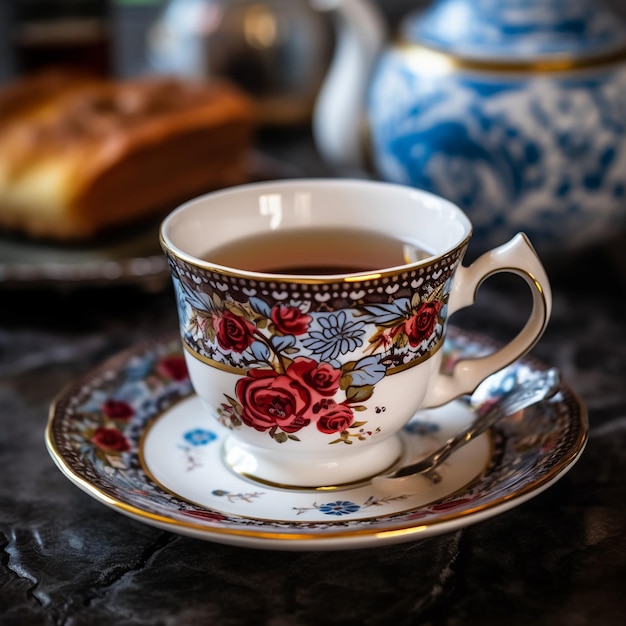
<point x="558" y="559"/>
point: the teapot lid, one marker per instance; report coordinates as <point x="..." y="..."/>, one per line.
<point x="518" y="30"/>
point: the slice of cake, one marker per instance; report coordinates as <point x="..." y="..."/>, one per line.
<point x="81" y="156"/>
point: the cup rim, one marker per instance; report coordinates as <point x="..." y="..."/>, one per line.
<point x="374" y="274"/>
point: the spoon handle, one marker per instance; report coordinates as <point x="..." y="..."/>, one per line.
<point x="531" y="390"/>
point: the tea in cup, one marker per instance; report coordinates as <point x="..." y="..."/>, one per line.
<point x="313" y="314"/>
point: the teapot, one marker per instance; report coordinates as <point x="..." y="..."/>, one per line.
<point x="515" y="110"/>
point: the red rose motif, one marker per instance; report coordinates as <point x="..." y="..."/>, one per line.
<point x="269" y="399"/>
<point x="321" y="378"/>
<point x="206" y="515"/>
<point x="173" y="367"/>
<point x="334" y="418"/>
<point x="117" y="410"/>
<point x="233" y="332"/>
<point x="421" y="325"/>
<point x="290" y="320"/>
<point x="110" y="439"/>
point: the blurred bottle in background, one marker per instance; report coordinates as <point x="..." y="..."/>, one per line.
<point x="276" y="50"/>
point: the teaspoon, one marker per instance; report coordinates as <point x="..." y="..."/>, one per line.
<point x="530" y="391"/>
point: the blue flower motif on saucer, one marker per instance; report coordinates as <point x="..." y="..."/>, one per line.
<point x="341" y="507"/>
<point x="199" y="437"/>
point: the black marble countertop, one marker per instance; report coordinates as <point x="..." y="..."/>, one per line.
<point x="558" y="559"/>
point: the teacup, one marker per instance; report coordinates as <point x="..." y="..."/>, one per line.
<point x="316" y="372"/>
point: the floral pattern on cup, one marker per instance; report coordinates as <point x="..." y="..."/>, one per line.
<point x="310" y="355"/>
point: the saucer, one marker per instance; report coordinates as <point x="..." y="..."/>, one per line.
<point x="133" y="435"/>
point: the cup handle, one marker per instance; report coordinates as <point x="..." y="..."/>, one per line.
<point x="517" y="257"/>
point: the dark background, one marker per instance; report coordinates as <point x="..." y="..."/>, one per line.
<point x="67" y="560"/>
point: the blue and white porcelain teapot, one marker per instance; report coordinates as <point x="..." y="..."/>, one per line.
<point x="513" y="109"/>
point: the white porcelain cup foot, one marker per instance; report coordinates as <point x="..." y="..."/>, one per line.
<point x="302" y="470"/>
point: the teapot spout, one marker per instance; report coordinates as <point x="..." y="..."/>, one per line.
<point x="338" y="120"/>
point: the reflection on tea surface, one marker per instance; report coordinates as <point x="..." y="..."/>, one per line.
<point x="316" y="251"/>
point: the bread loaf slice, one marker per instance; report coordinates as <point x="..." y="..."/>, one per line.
<point x="82" y="156"/>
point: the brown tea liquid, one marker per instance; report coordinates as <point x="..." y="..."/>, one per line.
<point x="321" y="251"/>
